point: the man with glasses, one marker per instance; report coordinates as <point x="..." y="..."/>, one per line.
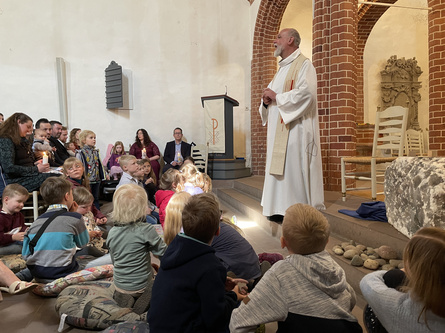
<point x="176" y="151"/>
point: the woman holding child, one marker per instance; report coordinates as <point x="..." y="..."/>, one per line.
<point x="16" y="157"/>
<point x="144" y="146"/>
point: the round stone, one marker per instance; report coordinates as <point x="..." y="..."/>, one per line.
<point x="357" y="261"/>
<point x="350" y="247"/>
<point x="338" y="250"/>
<point x="381" y="262"/>
<point x="350" y="254"/>
<point x="395" y="262"/>
<point x="387" y="267"/>
<point x="344" y="244"/>
<point x="387" y="252"/>
<point x="371" y="264"/>
<point x="364" y="256"/>
<point x="361" y="247"/>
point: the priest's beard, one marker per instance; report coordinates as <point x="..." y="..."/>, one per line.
<point x="277" y="51"/>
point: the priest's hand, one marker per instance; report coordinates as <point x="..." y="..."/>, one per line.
<point x="269" y="96"/>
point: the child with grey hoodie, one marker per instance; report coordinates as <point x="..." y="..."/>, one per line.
<point x="307" y="291"/>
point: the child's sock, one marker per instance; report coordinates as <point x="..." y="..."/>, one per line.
<point x="123" y="300"/>
<point x="143" y="302"/>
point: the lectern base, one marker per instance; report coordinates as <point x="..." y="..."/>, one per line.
<point x="228" y="168"/>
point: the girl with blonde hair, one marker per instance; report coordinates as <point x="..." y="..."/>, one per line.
<point x="173" y="215"/>
<point x="415" y="302"/>
<point x="191" y="180"/>
<point x="90" y="158"/>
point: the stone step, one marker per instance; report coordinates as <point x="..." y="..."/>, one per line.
<point x="250" y="207"/>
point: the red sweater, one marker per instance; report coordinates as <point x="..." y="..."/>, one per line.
<point x="9" y="222"/>
<point x="162" y="198"/>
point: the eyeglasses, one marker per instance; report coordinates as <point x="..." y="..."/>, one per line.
<point x="75" y="166"/>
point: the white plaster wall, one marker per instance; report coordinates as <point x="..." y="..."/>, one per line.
<point x="298" y="15"/>
<point x="401" y="32"/>
<point x="177" y="51"/>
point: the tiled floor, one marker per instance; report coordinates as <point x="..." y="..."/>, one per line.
<point x="31" y="313"/>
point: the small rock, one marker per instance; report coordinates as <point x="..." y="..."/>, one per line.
<point x="387" y="267"/>
<point x="357" y="261"/>
<point x="350" y="254"/>
<point x="361" y="247"/>
<point x="401" y="265"/>
<point x="387" y="252"/>
<point x="364" y="256"/>
<point x="350" y="247"/>
<point x="338" y="250"/>
<point x="344" y="244"/>
<point x="395" y="262"/>
<point x="370" y="250"/>
<point x="381" y="262"/>
<point x="374" y="256"/>
<point x="371" y="264"/>
<point x="352" y="242"/>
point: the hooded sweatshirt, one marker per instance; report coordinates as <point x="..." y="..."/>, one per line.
<point x="189" y="291"/>
<point x="304" y="293"/>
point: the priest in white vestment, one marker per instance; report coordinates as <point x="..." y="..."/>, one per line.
<point x="289" y="105"/>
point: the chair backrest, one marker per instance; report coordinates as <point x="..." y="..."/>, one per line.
<point x="389" y="132"/>
<point x="200" y="154"/>
<point x="414" y="142"/>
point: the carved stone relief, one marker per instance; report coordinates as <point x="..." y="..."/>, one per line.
<point x="400" y="86"/>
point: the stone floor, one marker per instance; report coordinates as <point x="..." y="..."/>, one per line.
<point x="32" y="313"/>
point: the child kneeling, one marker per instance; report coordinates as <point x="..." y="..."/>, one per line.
<point x="306" y="292"/>
<point x="130" y="242"/>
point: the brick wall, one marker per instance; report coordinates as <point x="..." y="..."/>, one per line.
<point x="436" y="45"/>
<point x="263" y="69"/>
<point x="334" y="56"/>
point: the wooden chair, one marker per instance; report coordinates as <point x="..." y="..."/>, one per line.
<point x="34" y="196"/>
<point x="414" y="143"/>
<point x="200" y="154"/>
<point x="388" y="144"/>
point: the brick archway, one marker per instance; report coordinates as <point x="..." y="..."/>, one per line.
<point x="263" y="68"/>
<point x="340" y="32"/>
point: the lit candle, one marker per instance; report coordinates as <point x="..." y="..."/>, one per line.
<point x="144" y="153"/>
<point x="45" y="158"/>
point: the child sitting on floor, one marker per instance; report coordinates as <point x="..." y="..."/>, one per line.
<point x="12" y="221"/>
<point x="190" y="180"/>
<point x="149" y="179"/>
<point x="52" y="256"/>
<point x="75" y="174"/>
<point x="130" y="242"/>
<point x="116" y="153"/>
<point x="173" y="215"/>
<point x="84" y="200"/>
<point x="129" y="167"/>
<point x="411" y="300"/>
<point x="167" y="186"/>
<point x="307" y="291"/>
<point x="189" y="293"/>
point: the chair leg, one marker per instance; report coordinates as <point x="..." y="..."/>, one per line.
<point x="373" y="180"/>
<point x="343" y="180"/>
<point x="35" y="204"/>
